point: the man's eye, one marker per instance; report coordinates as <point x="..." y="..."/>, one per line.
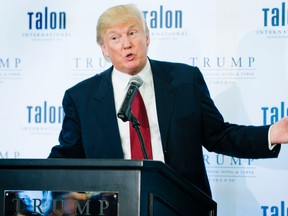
<point x="115" y="39"/>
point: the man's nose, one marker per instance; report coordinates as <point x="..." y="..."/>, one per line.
<point x="127" y="42"/>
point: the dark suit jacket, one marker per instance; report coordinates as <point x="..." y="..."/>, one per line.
<point x="188" y="120"/>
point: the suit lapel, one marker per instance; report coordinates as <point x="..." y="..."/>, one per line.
<point x="106" y="113"/>
<point x="165" y="95"/>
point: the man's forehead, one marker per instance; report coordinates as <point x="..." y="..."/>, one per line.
<point x="123" y="26"/>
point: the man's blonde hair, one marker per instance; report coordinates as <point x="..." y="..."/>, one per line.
<point x="116" y="15"/>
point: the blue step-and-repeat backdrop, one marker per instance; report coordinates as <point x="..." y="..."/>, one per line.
<point x="241" y="47"/>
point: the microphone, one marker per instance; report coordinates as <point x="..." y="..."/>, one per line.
<point x="124" y="112"/>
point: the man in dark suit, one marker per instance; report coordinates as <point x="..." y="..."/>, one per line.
<point x="181" y="114"/>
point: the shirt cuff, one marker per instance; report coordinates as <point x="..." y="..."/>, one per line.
<point x="270" y="145"/>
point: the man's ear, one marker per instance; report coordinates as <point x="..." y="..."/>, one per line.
<point x="147" y="40"/>
<point x="104" y="50"/>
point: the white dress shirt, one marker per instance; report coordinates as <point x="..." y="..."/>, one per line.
<point x="120" y="83"/>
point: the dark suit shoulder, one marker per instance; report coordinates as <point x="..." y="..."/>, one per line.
<point x="91" y="83"/>
<point x="174" y="67"/>
<point x="179" y="72"/>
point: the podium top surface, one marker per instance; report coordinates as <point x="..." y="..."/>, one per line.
<point x="73" y="163"/>
<point x="88" y="164"/>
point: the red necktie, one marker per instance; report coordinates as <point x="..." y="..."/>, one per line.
<point x="139" y="111"/>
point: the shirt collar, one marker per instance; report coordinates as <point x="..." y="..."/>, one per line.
<point x="121" y="79"/>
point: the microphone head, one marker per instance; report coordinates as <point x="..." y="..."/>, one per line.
<point x="124" y="112"/>
<point x="136" y="80"/>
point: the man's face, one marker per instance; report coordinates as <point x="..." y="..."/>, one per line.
<point x="126" y="45"/>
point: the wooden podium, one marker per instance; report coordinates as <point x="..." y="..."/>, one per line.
<point x="145" y="188"/>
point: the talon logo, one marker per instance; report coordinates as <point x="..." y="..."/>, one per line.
<point x="47" y="20"/>
<point x="275" y="17"/>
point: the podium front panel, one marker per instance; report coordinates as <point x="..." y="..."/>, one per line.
<point x="74" y="179"/>
<point x="137" y="188"/>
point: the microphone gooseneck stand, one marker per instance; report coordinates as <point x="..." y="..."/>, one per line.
<point x="136" y="125"/>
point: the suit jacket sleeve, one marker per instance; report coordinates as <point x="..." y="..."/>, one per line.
<point x="230" y="139"/>
<point x="70" y="136"/>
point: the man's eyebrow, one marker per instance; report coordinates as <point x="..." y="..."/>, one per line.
<point x="111" y="32"/>
<point x="134" y="27"/>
